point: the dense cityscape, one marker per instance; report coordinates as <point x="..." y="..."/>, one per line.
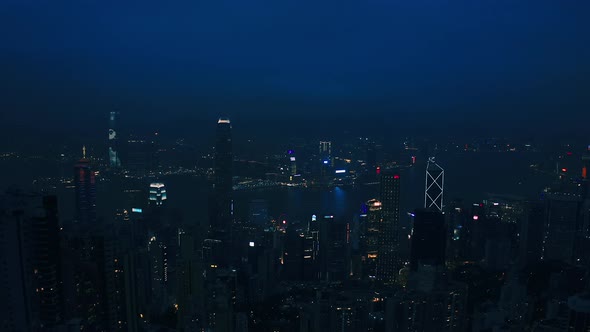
<point x="102" y="247"/>
<point x="294" y="166"/>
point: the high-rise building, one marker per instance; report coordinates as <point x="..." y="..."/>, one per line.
<point x="389" y="262"/>
<point x="562" y="225"/>
<point x="292" y="162"/>
<point x="222" y="207"/>
<point x="326" y="150"/>
<point x="531" y="233"/>
<point x="30" y="278"/>
<point x="158" y="194"/>
<point x="114" y="157"/>
<point x="373" y="221"/>
<point x="85" y="189"/>
<point x="434" y="187"/>
<point x="428" y="238"/>
<point x="140" y="156"/>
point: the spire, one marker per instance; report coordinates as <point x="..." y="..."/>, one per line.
<point x="83" y="151"/>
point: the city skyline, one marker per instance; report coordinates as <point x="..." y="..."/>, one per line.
<point x="294" y="166"/>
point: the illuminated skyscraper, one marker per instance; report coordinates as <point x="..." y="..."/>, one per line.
<point x="373" y="221"/>
<point x="114" y="158"/>
<point x="85" y="189"/>
<point x="292" y="162"/>
<point x="158" y="194"/>
<point x="325" y="152"/>
<point x="388" y="262"/>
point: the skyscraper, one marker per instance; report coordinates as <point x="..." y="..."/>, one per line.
<point x="373" y="222"/>
<point x="157" y="194"/>
<point x="389" y="262"/>
<point x="114" y="158"/>
<point x="85" y="189"/>
<point x="562" y="224"/>
<point x="428" y="238"/>
<point x="31" y="279"/>
<point x="221" y="207"/>
<point x="325" y="152"/>
<point x="434" y="187"/>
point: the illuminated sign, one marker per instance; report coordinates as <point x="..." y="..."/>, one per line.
<point x="292" y="158"/>
<point x="137" y="210"/>
<point x="251" y="244"/>
<point x="340" y="171"/>
<point x="325" y="162"/>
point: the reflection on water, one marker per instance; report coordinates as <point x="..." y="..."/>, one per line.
<point x="468" y="175"/>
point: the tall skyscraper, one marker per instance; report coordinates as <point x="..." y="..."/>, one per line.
<point x="114" y="157"/>
<point x="325" y="152"/>
<point x="434" y="187"/>
<point x="373" y="221"/>
<point x="389" y="263"/>
<point x="562" y="225"/>
<point x="428" y="238"/>
<point x="221" y="204"/>
<point x="85" y="189"/>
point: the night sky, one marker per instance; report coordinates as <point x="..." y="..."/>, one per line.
<point x="287" y="65"/>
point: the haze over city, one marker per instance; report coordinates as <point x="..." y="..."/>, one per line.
<point x="294" y="166"/>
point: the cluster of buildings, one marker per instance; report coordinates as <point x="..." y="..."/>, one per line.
<point x="503" y="264"/>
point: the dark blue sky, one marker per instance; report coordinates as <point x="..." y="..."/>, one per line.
<point x="380" y="65"/>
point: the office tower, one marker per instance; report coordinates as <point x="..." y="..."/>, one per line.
<point x="158" y="194"/>
<point x="561" y="226"/>
<point x="85" y="190"/>
<point x="325" y="152"/>
<point x="434" y="187"/>
<point x="389" y="261"/>
<point x="292" y="162"/>
<point x="294" y="253"/>
<point x="31" y="279"/>
<point x="114" y="157"/>
<point x="373" y="220"/>
<point x="532" y="233"/>
<point x="428" y="238"/>
<point x="222" y="207"/>
<point x="332" y="249"/>
<point x="190" y="297"/>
